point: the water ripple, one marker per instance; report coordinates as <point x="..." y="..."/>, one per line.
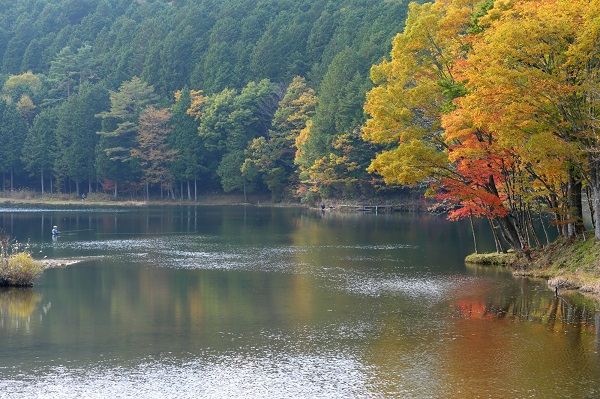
<point x="399" y="285"/>
<point x="227" y="376"/>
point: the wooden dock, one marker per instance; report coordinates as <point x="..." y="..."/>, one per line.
<point x="367" y="208"/>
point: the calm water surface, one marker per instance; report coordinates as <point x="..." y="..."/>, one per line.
<point x="190" y="302"/>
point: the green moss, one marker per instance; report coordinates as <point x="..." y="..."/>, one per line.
<point x="495" y="258"/>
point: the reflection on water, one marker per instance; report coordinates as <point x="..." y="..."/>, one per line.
<point x="16" y="307"/>
<point x="234" y="302"/>
<point x="548" y="311"/>
<point x="524" y="303"/>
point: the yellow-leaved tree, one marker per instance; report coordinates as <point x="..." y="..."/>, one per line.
<point x="495" y="105"/>
<point x="532" y="80"/>
<point x="414" y="88"/>
<point x="413" y="91"/>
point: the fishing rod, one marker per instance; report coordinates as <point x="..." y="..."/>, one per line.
<point x="141" y="234"/>
<point x="72" y="232"/>
<point x="75" y="231"/>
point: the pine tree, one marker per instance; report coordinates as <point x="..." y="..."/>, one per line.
<point x="76" y="135"/>
<point x="119" y="127"/>
<point x="38" y="150"/>
<point x="187" y="166"/>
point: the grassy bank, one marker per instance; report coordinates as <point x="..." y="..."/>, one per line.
<point x="100" y="199"/>
<point x="391" y="204"/>
<point x="567" y="263"/>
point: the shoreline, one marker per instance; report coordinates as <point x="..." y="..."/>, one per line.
<point x="105" y="200"/>
<point x="566" y="265"/>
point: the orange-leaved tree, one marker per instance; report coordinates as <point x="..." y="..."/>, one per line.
<point x="487" y="172"/>
<point x="414" y="88"/>
<point x="532" y="78"/>
<point x="153" y="151"/>
<point x="413" y="91"/>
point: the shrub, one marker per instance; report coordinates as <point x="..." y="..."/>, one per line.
<point x="17" y="266"/>
<point x="20" y="269"/>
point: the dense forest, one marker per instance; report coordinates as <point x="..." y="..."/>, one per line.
<point x="489" y="107"/>
<point x="178" y="98"/>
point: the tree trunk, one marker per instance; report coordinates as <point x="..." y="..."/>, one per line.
<point x="575" y="216"/>
<point x="590" y="202"/>
<point x="544" y="227"/>
<point x="509" y="228"/>
<point x="115" y="194"/>
<point x="595" y="185"/>
<point x="596" y="191"/>
<point x="532" y="228"/>
<point x="42" y="180"/>
<point x="473" y="230"/>
<point x="510" y="233"/>
<point x="499" y="247"/>
<point x="189" y="191"/>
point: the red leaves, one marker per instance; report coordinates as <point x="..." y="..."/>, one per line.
<point x="482" y="169"/>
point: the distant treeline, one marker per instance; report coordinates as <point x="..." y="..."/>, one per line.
<point x="156" y="97"/>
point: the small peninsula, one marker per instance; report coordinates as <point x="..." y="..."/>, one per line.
<point x="567" y="263"/>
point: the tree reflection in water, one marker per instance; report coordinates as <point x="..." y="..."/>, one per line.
<point x="556" y="312"/>
<point x="16" y="307"/>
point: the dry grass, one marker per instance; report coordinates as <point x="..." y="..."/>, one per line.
<point x="17" y="266"/>
<point x="572" y="263"/>
<point x="19" y="270"/>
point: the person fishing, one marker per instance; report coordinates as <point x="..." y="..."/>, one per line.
<point x="55" y="231"/>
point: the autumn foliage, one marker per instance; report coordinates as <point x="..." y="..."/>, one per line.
<point x="495" y="106"/>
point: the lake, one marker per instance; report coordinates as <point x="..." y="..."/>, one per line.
<point x="247" y="302"/>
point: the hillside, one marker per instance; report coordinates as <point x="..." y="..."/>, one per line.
<point x="64" y="64"/>
<point x="365" y="100"/>
<point x="207" y="45"/>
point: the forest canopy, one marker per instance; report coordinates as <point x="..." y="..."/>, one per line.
<point x="224" y="88"/>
